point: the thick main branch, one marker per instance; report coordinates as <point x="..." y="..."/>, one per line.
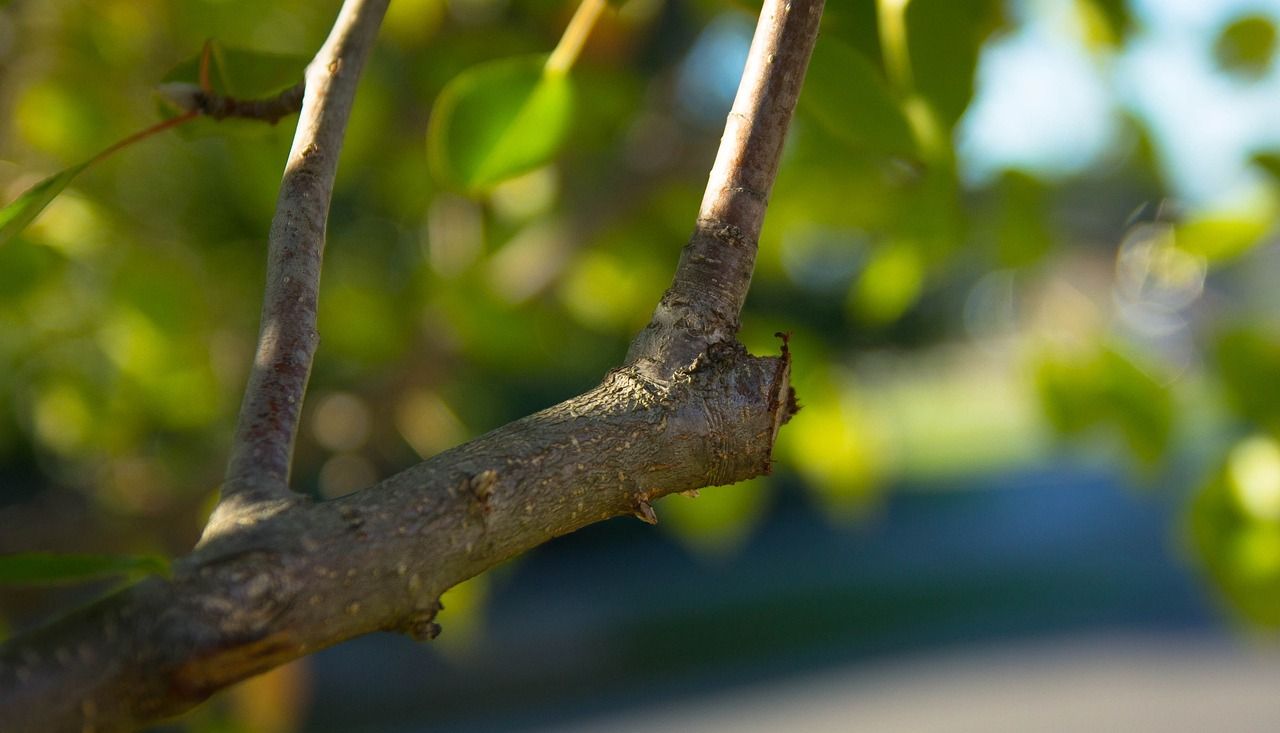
<point x="317" y="574"/>
<point x="262" y="449"/>
<point x="689" y="409"/>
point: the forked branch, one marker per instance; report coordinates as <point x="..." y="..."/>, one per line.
<point x="703" y="304"/>
<point x="689" y="409"/>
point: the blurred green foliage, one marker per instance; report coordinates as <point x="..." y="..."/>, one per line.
<point x="1247" y="46"/>
<point x="44" y="567"/>
<point x="942" y="326"/>
<point x="1235" y="527"/>
<point x="241" y="73"/>
<point x="1106" y="389"/>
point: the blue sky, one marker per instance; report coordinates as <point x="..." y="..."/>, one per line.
<point x="1047" y="105"/>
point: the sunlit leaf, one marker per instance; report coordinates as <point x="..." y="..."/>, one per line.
<point x="1239" y="550"/>
<point x="498" y="120"/>
<point x="46" y="568"/>
<point x="890" y="284"/>
<point x="23" y="210"/>
<point x="1106" y="22"/>
<point x="54" y="116"/>
<point x="1221" y="238"/>
<point x="413" y="22"/>
<point x="607" y="292"/>
<point x="461" y="617"/>
<point x="720" y="518"/>
<point x="848" y="96"/>
<point x="843" y="458"/>
<point x="1253" y="475"/>
<point x="1247" y="46"/>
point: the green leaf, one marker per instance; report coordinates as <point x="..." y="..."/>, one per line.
<point x="23" y="210"/>
<point x="242" y="73"/>
<point x="1085" y="392"/>
<point x="854" y="24"/>
<point x="1268" y="161"/>
<point x="1106" y="22"/>
<point x="498" y="120"/>
<point x="944" y="38"/>
<point x="1238" y="548"/>
<point x="1140" y="405"/>
<point x="1247" y="46"/>
<point x="1219" y="238"/>
<point x="26" y="266"/>
<point x="238" y="73"/>
<point x="1023" y="233"/>
<point x="850" y="98"/>
<point x="721" y="518"/>
<point x="1248" y="361"/>
<point x="46" y="568"/>
<point x="891" y="282"/>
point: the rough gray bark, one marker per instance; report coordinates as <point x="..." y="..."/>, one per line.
<point x="277" y="579"/>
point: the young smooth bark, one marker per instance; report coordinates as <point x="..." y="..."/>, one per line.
<point x="276" y="577"/>
<point x="262" y="449"/>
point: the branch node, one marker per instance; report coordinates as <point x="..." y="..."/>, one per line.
<point x="754" y="193"/>
<point x="190" y="98"/>
<point x="352" y="517"/>
<point x="421" y="626"/>
<point x="644" y="512"/>
<point x="781" y="377"/>
<point x="480" y="487"/>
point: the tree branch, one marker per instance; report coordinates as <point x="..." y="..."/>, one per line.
<point x="258" y="469"/>
<point x="317" y="574"/>
<point x="711" y="282"/>
<point x="256" y="594"/>
<point x="190" y="98"/>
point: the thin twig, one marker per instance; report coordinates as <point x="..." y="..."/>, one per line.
<point x="268" y="109"/>
<point x="142" y="135"/>
<point x="262" y="450"/>
<point x="747" y="163"/>
<point x="575" y="36"/>
<point x="195" y="100"/>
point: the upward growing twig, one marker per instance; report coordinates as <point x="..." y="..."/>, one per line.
<point x="702" y="306"/>
<point x="691" y="409"/>
<point x="258" y="470"/>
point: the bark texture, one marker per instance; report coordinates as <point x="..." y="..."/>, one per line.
<point x="702" y="306"/>
<point x="299" y="580"/>
<point x="276" y="577"/>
